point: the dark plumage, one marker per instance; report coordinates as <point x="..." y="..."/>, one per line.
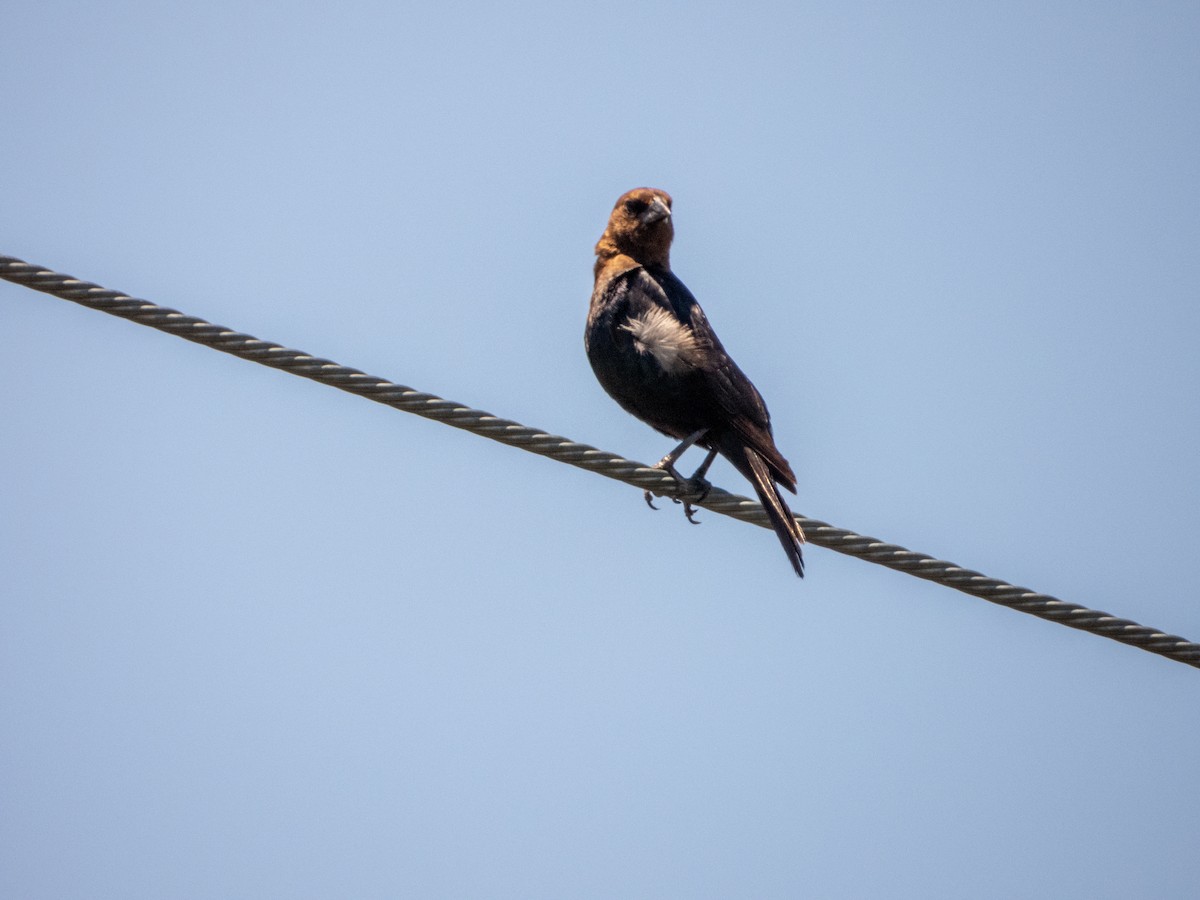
<point x="653" y="350"/>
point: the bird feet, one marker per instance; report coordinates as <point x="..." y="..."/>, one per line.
<point x="695" y="489"/>
<point x="698" y="486"/>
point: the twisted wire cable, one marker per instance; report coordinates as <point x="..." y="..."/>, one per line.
<point x="602" y="462"/>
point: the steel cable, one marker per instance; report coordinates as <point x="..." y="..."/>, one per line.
<point x="534" y="440"/>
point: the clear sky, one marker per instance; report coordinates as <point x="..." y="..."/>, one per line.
<point x="259" y="638"/>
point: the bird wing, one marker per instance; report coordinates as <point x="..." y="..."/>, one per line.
<point x="738" y="403"/>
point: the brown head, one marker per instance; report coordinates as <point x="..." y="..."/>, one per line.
<point x="639" y="228"/>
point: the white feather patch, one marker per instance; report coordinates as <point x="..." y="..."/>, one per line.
<point x="664" y="337"/>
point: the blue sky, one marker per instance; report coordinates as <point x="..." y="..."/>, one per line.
<point x="259" y="638"/>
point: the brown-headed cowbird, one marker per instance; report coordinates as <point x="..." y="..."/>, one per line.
<point x="653" y="350"/>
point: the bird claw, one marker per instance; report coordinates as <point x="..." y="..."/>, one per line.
<point x="695" y="488"/>
<point x="700" y="487"/>
<point x="665" y="465"/>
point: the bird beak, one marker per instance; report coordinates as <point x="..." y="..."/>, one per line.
<point x="658" y="210"/>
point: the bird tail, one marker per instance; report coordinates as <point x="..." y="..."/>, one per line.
<point x="754" y="467"/>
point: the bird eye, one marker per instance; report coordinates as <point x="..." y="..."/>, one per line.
<point x="636" y="207"/>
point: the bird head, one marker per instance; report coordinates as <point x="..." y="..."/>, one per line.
<point x="640" y="227"/>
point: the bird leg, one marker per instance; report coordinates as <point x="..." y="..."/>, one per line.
<point x="667" y="463"/>
<point x="699" y="485"/>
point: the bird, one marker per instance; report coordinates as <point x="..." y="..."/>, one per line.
<point x="654" y="352"/>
